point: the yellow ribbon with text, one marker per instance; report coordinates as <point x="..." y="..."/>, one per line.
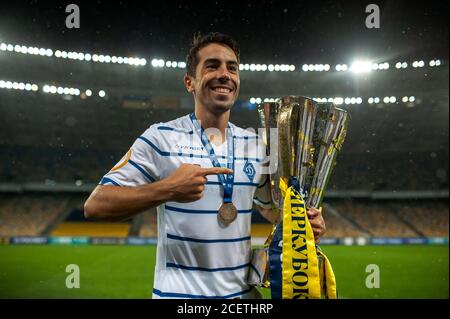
<point x="306" y="271"/>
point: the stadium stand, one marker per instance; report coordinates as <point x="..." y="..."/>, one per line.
<point x="30" y="215"/>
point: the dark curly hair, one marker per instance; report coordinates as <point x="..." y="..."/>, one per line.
<point x="199" y="41"/>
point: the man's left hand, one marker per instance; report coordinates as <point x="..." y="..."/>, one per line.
<point x="317" y="223"/>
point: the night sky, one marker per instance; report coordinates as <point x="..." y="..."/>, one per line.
<point x="268" y="31"/>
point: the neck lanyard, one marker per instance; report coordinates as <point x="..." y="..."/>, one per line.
<point x="227" y="182"/>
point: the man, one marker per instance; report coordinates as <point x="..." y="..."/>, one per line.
<point x="203" y="174"/>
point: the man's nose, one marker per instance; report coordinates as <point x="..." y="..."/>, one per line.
<point x="224" y="74"/>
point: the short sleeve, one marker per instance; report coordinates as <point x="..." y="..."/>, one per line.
<point x="263" y="196"/>
<point x="139" y="166"/>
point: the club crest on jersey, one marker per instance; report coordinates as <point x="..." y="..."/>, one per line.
<point x="123" y="161"/>
<point x="249" y="170"/>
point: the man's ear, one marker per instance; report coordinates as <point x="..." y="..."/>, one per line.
<point x="189" y="83"/>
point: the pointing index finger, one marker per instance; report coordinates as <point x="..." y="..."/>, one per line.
<point x="215" y="171"/>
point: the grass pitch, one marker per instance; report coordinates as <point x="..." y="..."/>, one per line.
<point x="33" y="271"/>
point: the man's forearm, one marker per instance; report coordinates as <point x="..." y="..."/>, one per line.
<point x="116" y="203"/>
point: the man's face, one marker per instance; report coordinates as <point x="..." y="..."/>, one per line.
<point x="216" y="83"/>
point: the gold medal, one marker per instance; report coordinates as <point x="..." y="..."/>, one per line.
<point x="227" y="213"/>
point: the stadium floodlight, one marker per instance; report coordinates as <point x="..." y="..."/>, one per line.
<point x="2" y="84"/>
<point x="421" y="64"/>
<point x="358" y="100"/>
<point x="143" y="61"/>
<point x="347" y="100"/>
<point x="241" y="67"/>
<point x="398" y="65"/>
<point x="88" y="92"/>
<point x="101" y="58"/>
<point x="182" y="65"/>
<point x="432" y="63"/>
<point x="107" y="59"/>
<point x="277" y="67"/>
<point x="376" y="99"/>
<point x="386" y="99"/>
<point x="271" y="68"/>
<point x="34" y="87"/>
<point x="415" y="64"/>
<point x="120" y="60"/>
<point x="404" y="99"/>
<point x="8" y="85"/>
<point x="258" y="100"/>
<point x="305" y="67"/>
<point x="392" y="99"/>
<point x="361" y="67"/>
<point x="252" y="67"/>
<point x="344" y="67"/>
<point x="338" y="100"/>
<point x="252" y="100"/>
<point x="264" y="67"/>
<point x="258" y="67"/>
<point x="57" y="53"/>
<point x="370" y="100"/>
<point x="60" y="90"/>
<point x="438" y="62"/>
<point x="87" y="57"/>
<point x="155" y="63"/>
<point x="338" y="68"/>
<point x="46" y="89"/>
<point x="404" y="65"/>
<point x="3" y="46"/>
<point x="53" y="89"/>
<point x="49" y="52"/>
<point x="412" y="99"/>
<point x="326" y="67"/>
<point x="101" y="93"/>
<point x="27" y="87"/>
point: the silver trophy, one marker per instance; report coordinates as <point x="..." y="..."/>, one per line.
<point x="308" y="136"/>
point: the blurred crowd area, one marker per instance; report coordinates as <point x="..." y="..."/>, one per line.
<point x="385" y="171"/>
<point x="62" y="215"/>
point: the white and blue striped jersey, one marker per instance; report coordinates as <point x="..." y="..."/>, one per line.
<point x="196" y="256"/>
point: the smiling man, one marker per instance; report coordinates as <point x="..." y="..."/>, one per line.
<point x="203" y="174"/>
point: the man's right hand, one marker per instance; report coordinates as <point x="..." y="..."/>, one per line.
<point x="187" y="183"/>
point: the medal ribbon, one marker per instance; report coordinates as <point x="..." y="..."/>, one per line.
<point x="227" y="182"/>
